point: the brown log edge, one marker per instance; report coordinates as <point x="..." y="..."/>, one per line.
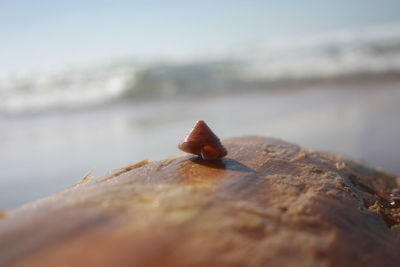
<point x="267" y="203"/>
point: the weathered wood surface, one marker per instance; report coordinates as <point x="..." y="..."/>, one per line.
<point x="268" y="203"/>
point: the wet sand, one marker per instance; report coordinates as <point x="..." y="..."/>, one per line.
<point x="44" y="153"/>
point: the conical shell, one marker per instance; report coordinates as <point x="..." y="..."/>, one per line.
<point x="203" y="142"/>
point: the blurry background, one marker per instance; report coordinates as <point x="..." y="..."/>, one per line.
<point x="102" y="84"/>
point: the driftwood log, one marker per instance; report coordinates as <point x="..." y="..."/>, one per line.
<point x="268" y="203"/>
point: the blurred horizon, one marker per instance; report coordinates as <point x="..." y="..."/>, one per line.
<point x="343" y="55"/>
<point x="72" y="34"/>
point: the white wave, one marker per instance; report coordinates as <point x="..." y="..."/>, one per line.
<point x="372" y="50"/>
<point x="63" y="90"/>
<point x="360" y="51"/>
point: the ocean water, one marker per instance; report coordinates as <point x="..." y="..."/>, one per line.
<point x="332" y="56"/>
<point x="338" y="93"/>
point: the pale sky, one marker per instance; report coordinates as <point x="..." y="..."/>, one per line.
<point x="46" y="34"/>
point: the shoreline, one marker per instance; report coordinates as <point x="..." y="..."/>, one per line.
<point x="358" y="120"/>
<point x="280" y="87"/>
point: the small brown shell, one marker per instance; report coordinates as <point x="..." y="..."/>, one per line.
<point x="203" y="142"/>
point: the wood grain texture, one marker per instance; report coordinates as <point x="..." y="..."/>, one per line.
<point x="268" y="203"/>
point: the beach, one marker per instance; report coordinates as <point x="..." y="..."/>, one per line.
<point x="46" y="152"/>
<point x="337" y="92"/>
